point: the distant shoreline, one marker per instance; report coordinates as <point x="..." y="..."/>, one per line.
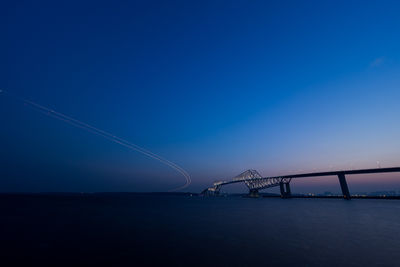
<point x="353" y="197"/>
<point x="88" y="194"/>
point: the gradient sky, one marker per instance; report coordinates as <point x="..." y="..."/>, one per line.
<point x="217" y="87"/>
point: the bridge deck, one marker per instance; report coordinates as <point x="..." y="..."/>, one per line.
<point x="319" y="174"/>
<point x="332" y="173"/>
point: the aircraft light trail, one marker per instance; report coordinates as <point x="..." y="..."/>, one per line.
<point x="80" y="124"/>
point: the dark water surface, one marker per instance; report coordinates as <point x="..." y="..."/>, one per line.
<point x="139" y="230"/>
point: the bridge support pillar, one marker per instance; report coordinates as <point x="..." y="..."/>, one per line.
<point x="288" y="192"/>
<point x="254" y="193"/>
<point x="285" y="190"/>
<point x="343" y="185"/>
<point x="282" y="189"/>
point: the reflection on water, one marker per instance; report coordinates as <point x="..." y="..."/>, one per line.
<point x="120" y="229"/>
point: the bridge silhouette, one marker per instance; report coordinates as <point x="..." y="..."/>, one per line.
<point x="255" y="182"/>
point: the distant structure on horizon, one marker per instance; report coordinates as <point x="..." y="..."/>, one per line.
<point x="255" y="182"/>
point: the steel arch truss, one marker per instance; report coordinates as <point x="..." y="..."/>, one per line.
<point x="262" y="183"/>
<point x="252" y="179"/>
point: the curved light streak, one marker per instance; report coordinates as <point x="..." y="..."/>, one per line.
<point x="80" y="124"/>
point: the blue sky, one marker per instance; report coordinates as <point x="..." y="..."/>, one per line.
<point x="217" y="87"/>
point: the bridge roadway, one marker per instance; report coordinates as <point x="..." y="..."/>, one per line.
<point x="255" y="182"/>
